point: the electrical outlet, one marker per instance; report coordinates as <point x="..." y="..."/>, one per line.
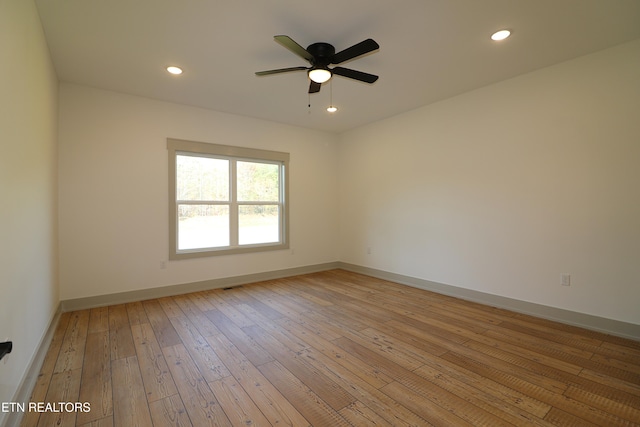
<point x="368" y="250"/>
<point x="565" y="280"/>
<point x="163" y="265"/>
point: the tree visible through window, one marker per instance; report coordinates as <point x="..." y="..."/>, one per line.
<point x="226" y="199"/>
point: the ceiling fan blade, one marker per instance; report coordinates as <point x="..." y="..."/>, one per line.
<point x="314" y="87"/>
<point x="279" y="70"/>
<point x="294" y="47"/>
<point x="358" y="49"/>
<point x="353" y="74"/>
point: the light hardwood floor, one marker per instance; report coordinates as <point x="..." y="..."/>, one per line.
<point x="332" y="349"/>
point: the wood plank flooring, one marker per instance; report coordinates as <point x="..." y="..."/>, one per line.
<point x="332" y="349"/>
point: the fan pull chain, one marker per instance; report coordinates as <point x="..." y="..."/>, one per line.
<point x="331" y="94"/>
<point x="331" y="108"/>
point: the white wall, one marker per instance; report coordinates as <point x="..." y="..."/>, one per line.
<point x="503" y="189"/>
<point x="28" y="229"/>
<point x="114" y="192"/>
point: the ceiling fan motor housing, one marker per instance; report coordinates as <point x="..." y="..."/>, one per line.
<point x="322" y="54"/>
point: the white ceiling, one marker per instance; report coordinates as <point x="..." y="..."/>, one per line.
<point x="429" y="49"/>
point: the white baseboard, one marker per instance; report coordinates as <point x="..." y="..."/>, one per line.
<point x="600" y="324"/>
<point x="28" y="382"/>
<point x="587" y="321"/>
<point x="166" y="291"/>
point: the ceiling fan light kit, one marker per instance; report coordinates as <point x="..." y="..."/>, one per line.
<point x="319" y="75"/>
<point x="320" y="56"/>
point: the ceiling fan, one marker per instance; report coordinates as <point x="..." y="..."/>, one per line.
<point x="320" y="56"/>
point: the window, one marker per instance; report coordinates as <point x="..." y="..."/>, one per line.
<point x="226" y="200"/>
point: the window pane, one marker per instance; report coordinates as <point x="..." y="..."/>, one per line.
<point x="258" y="182"/>
<point x="258" y="224"/>
<point x="202" y="178"/>
<point x="202" y="226"/>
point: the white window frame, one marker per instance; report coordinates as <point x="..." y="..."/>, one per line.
<point x="200" y="149"/>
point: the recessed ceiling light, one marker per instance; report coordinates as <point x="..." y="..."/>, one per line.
<point x="174" y="70"/>
<point x="500" y="35"/>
